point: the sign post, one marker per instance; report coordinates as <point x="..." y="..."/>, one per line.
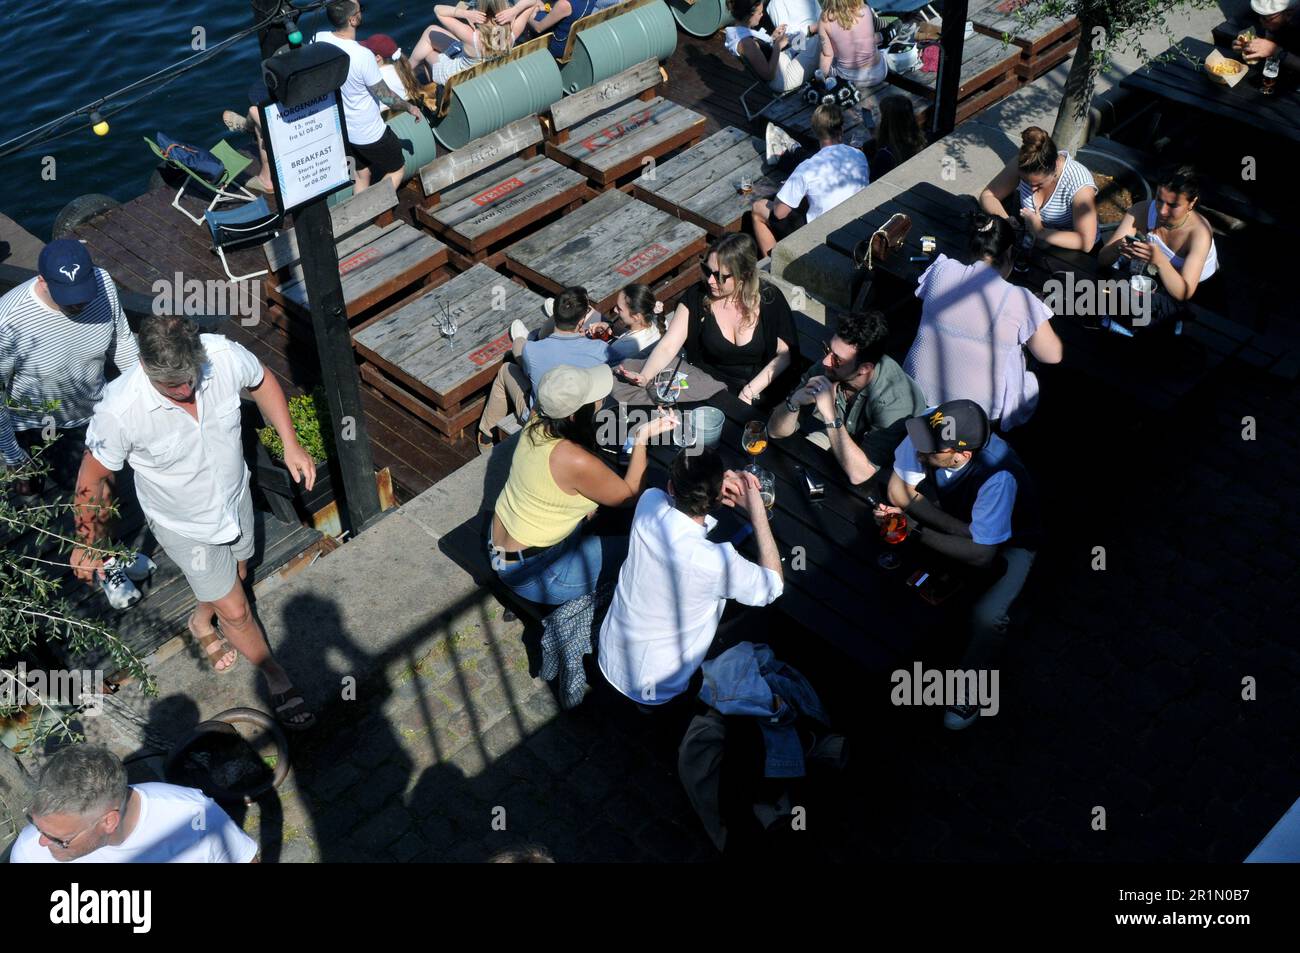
<point x="304" y="139"/>
<point x="952" y="40"/>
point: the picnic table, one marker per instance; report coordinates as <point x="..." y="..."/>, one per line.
<point x="1174" y="78"/>
<point x="700" y="185"/>
<point x="794" y="115"/>
<point x="988" y="73"/>
<point x="1042" y="46"/>
<point x="833" y="584"/>
<point x="611" y="242"/>
<point x="408" y="359"/>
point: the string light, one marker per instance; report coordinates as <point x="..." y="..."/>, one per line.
<point x="98" y="123"/>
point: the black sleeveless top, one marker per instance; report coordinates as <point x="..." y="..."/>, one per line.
<point x="736" y="365"/>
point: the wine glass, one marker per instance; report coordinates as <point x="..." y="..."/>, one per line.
<point x="893" y="531"/>
<point x="447" y="325"/>
<point x="754" y="441"/>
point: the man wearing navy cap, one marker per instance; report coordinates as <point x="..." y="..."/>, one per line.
<point x="56" y="330"/>
<point x="966" y="494"/>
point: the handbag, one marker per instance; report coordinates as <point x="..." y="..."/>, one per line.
<point x="884" y="241"/>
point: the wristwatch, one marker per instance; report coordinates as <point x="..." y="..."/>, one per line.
<point x="835" y="424"/>
<point x="790" y="405"/>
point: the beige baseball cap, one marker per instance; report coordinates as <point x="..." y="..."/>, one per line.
<point x="564" y="389"/>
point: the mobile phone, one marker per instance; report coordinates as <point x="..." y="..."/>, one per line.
<point x="815" y="488"/>
<point x="934" y="588"/>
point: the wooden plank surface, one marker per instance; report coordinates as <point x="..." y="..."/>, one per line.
<point x="983" y="60"/>
<point x="393" y="256"/>
<point x="628" y="133"/>
<point x="345" y="218"/>
<point x="572" y="110"/>
<point x="997" y="18"/>
<point x="446" y="170"/>
<point x="496" y="200"/>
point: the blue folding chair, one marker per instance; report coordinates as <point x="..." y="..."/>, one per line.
<point x="241" y="227"/>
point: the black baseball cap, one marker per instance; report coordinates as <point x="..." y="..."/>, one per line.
<point x="954" y="425"/>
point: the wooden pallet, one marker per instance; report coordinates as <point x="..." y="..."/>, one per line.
<point x="1047" y="43"/>
<point x="988" y="74"/>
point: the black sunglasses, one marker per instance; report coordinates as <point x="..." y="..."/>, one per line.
<point x="710" y="273"/>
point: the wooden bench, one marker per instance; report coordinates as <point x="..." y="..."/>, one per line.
<point x="439" y="379"/>
<point x="611" y="242"/>
<point x="379" y="257"/>
<point x="1042" y="46"/>
<point x="609" y="130"/>
<point x="494" y="189"/>
<point x="701" y="183"/>
<point x="988" y="74"/>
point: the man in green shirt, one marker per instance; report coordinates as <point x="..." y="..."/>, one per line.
<point x="861" y="398"/>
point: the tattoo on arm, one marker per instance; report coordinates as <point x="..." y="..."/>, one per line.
<point x="387" y="96"/>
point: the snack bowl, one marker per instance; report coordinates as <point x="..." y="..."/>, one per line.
<point x="1224" y="70"/>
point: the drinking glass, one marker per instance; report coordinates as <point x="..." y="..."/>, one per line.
<point x="893" y="531"/>
<point x="685" y="433"/>
<point x="667" y="388"/>
<point x="746" y="183"/>
<point x="766" y="488"/>
<point x="754" y="441"/>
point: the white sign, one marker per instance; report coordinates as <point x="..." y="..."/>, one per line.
<point x="307" y="149"/>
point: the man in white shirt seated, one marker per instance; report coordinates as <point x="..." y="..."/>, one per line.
<point x="675" y="584"/>
<point x="835" y="173"/>
<point x="85" y="812"/>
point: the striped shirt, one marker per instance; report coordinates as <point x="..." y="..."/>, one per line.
<point x="47" y="356"/>
<point x="1058" y="210"/>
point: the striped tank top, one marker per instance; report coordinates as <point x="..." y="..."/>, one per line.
<point x="1058" y="210"/>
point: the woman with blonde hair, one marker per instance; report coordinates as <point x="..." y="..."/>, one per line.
<point x="1056" y="193"/>
<point x="484" y="34"/>
<point x="732" y="327"/>
<point x="848" y="43"/>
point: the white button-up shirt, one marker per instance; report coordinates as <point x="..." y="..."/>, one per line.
<point x="190" y="475"/>
<point x="670" y="597"/>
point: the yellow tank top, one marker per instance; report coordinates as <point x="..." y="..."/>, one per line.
<point x="532" y="507"/>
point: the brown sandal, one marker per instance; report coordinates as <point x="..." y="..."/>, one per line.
<point x="291" y="711"/>
<point x="214" y="647"/>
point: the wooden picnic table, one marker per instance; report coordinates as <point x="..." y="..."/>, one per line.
<point x="701" y="184"/>
<point x="833" y="584"/>
<point x="794" y="115"/>
<point x="409" y="360"/>
<point x="988" y="73"/>
<point x="611" y="242"/>
<point x="1042" y="46"/>
<point x="1177" y="80"/>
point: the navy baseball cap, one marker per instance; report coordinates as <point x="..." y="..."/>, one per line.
<point x="68" y="271"/>
<point x="955" y="425"/>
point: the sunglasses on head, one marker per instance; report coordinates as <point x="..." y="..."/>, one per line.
<point x="710" y="273"/>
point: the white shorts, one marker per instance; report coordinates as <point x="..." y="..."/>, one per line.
<point x="793" y="71"/>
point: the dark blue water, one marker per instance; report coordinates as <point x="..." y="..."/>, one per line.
<point x="60" y="56"/>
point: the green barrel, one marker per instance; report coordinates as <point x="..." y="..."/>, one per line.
<point x="523" y="87"/>
<point x="605" y="50"/>
<point x="418" y="147"/>
<point x="701" y="18"/>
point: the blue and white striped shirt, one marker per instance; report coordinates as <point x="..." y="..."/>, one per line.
<point x="1058" y="210"/>
<point x="47" y="356"/>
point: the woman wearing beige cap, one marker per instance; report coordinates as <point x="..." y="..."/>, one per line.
<point x="538" y="544"/>
<point x="1279" y="22"/>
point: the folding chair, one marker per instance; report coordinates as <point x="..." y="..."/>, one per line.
<point x="234" y="228"/>
<point x="752" y="114"/>
<point x="233" y="163"/>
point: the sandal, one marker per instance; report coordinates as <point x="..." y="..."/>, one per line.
<point x="214" y="647"/>
<point x="291" y="711"/>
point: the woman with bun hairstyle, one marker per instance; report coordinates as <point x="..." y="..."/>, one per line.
<point x="975" y="326"/>
<point x="1056" y="193"/>
<point x="637" y="320"/>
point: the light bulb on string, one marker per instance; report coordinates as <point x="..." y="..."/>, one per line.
<point x="98" y="123"/>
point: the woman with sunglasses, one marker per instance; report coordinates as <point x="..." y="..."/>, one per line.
<point x="732" y="327"/>
<point x="975" y="327"/>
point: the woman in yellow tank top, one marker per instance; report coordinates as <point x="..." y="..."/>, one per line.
<point x="538" y="545"/>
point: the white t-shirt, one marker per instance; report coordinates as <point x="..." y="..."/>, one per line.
<point x="393" y="78"/>
<point x="190" y="475"/>
<point x="176" y="826"/>
<point x="732" y="36"/>
<point x="827" y="178"/>
<point x="990" y="522"/>
<point x="360" y="108"/>
<point x="797" y="15"/>
<point x="671" y="593"/>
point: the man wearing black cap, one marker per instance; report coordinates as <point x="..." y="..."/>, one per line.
<point x="967" y="495"/>
<point x="56" y="330"/>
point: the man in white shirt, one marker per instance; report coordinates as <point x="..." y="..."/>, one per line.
<point x="674" y="586"/>
<point x="84" y="812"/>
<point x="369" y="140"/>
<point x="175" y="419"/>
<point x="835" y="173"/>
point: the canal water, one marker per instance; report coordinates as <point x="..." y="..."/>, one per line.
<point x="62" y="56"/>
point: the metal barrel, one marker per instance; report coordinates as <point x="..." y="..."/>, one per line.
<point x="701" y="18"/>
<point x="620" y="42"/>
<point x="418" y="147"/>
<point x="480" y="106"/>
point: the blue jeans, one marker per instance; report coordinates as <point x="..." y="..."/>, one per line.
<point x="571" y="568"/>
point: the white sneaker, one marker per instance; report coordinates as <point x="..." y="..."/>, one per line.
<point x="517" y="329"/>
<point x="778" y="142"/>
<point x="120" y="590"/>
<point x="141" y="568"/>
